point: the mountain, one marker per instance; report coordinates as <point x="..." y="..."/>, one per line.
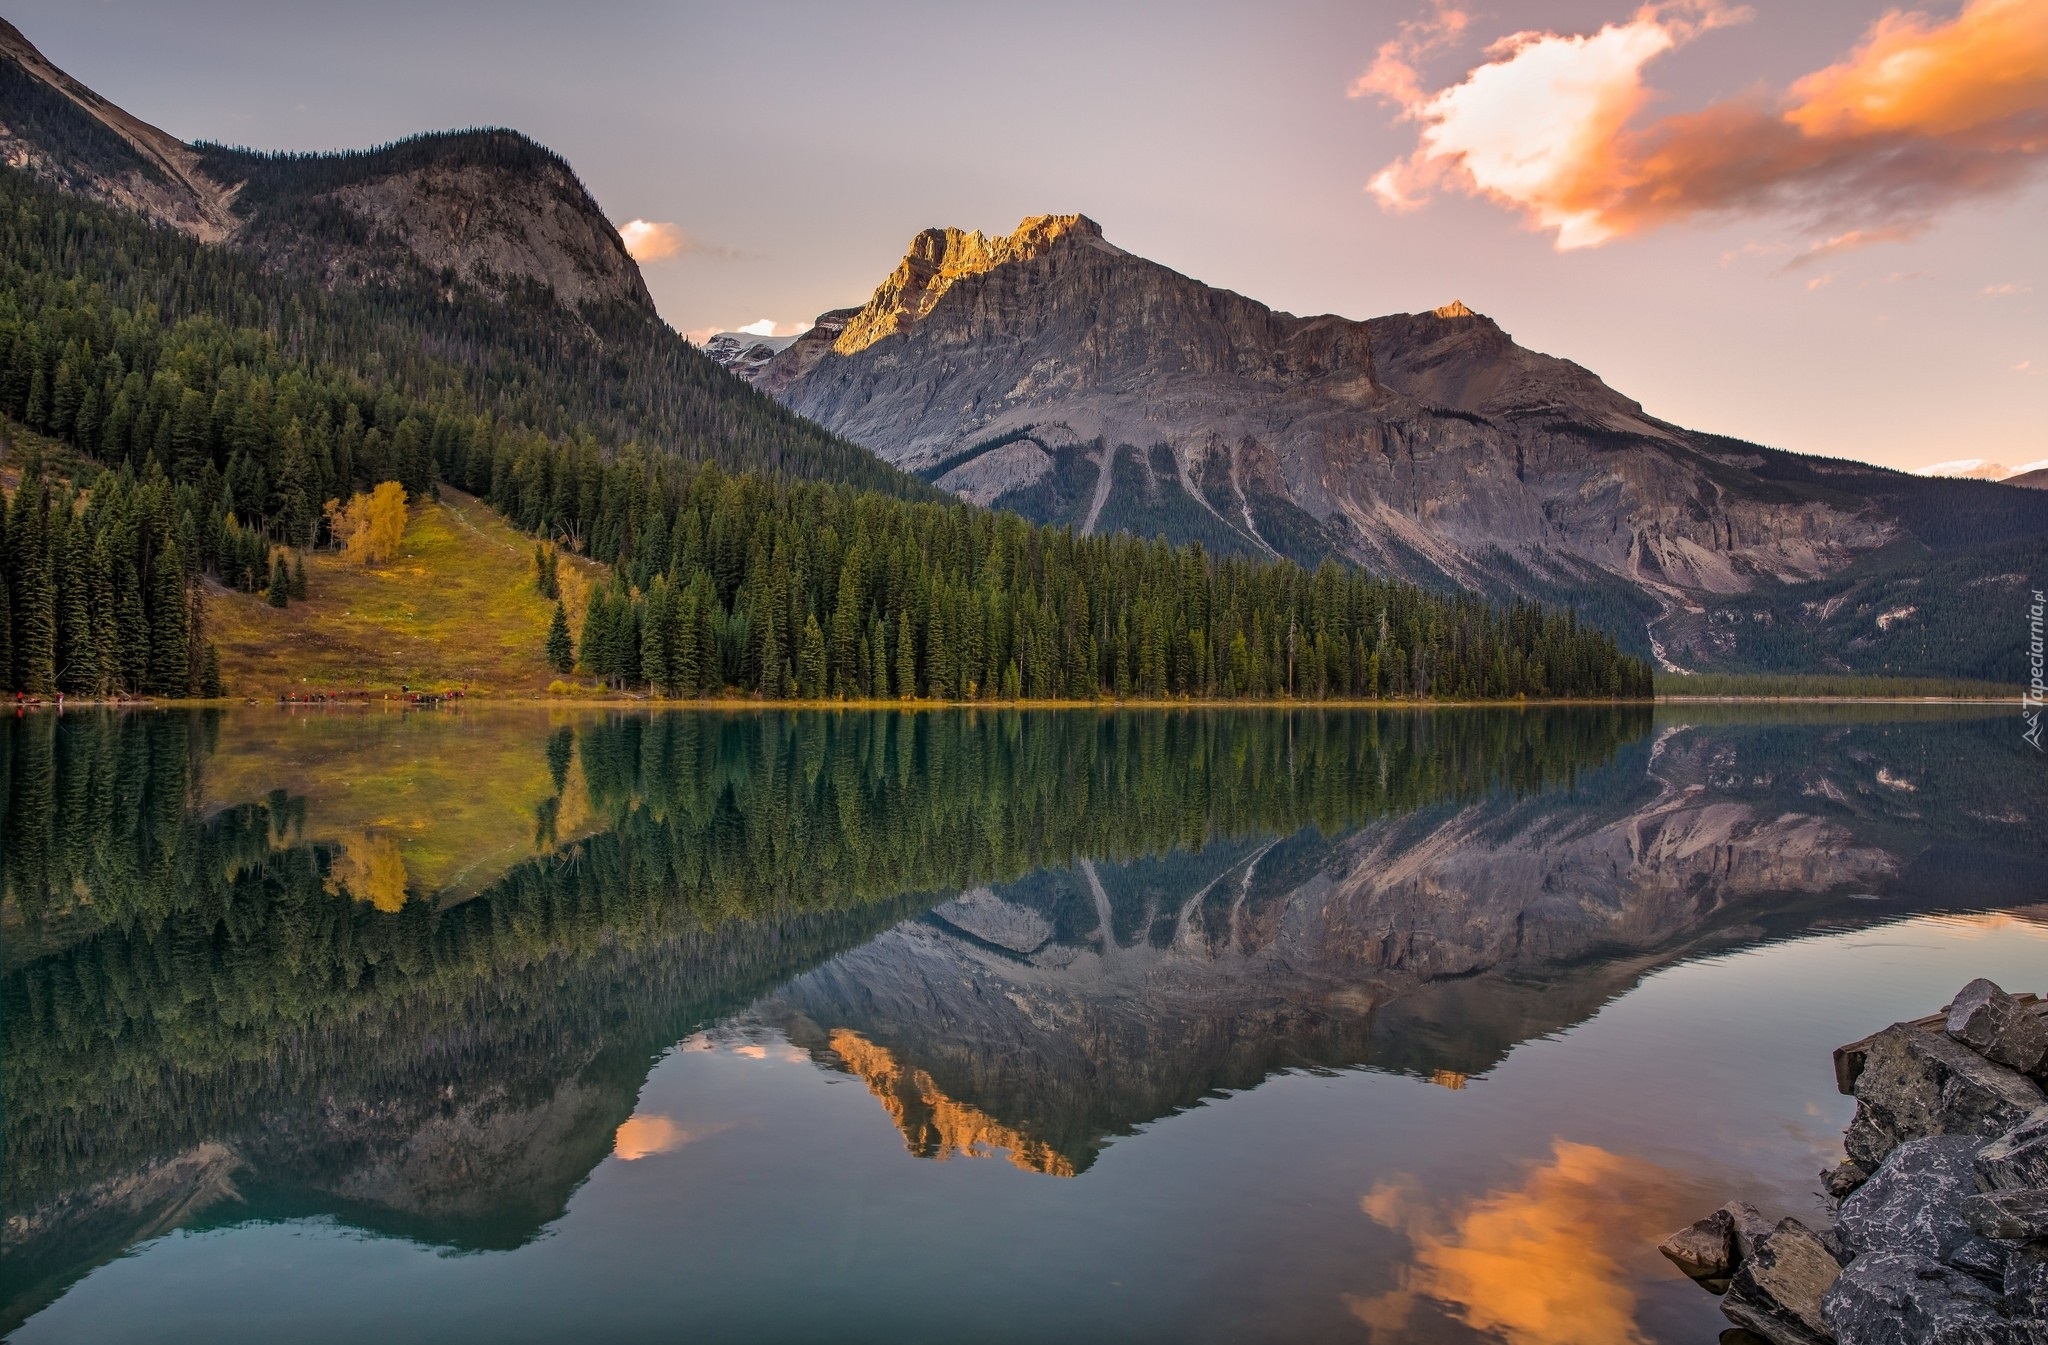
<point x="744" y="353"/>
<point x="2034" y="480"/>
<point x="442" y="266"/>
<point x="1050" y="1015"/>
<point x="1057" y="374"/>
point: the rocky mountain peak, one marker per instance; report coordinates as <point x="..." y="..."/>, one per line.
<point x="1455" y="309"/>
<point x="938" y="259"/>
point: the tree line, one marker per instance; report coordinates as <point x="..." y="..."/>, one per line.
<point x="723" y="581"/>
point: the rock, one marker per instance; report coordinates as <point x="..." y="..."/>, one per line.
<point x="1843" y="1178"/>
<point x="1750" y="1228"/>
<point x="1917" y="1084"/>
<point x="1705" y="1251"/>
<point x="1735" y="1335"/>
<point x="2026" y="1281"/>
<point x="2018" y="1158"/>
<point x="1778" y="1289"/>
<point x="1995" y="1026"/>
<point x="1915" y="1203"/>
<point x="1899" y="1298"/>
<point x="2012" y="1215"/>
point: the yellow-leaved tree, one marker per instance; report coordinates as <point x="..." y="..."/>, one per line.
<point x="370" y="527"/>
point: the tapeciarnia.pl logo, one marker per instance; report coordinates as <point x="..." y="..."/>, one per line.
<point x="2037" y="690"/>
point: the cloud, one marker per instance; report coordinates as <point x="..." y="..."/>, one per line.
<point x="1923" y="114"/>
<point x="649" y="1133"/>
<point x="1976" y="468"/>
<point x="653" y="241"/>
<point x="656" y="241"/>
<point x="1392" y="75"/>
<point x="2006" y="290"/>
<point x="1558" y="1260"/>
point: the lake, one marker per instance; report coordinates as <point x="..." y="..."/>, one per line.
<point x="502" y="1025"/>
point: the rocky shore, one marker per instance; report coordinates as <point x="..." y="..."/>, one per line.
<point x="1939" y="1215"/>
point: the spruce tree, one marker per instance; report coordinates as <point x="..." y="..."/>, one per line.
<point x="906" y="658"/>
<point x="810" y="660"/>
<point x="299" y="577"/>
<point x="169" y="648"/>
<point x="280" y="582"/>
<point x="210" y="685"/>
<point x="561" y="652"/>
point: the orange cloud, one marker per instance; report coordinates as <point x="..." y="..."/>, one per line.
<point x="1921" y="115"/>
<point x="1556" y="1261"/>
<point x="646" y="1134"/>
<point x="1392" y="75"/>
<point x="654" y="240"/>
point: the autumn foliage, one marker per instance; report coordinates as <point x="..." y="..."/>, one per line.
<point x="370" y="526"/>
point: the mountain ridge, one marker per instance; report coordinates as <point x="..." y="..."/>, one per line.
<point x="1080" y="383"/>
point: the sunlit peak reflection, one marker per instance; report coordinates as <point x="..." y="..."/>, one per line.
<point x="935" y="1125"/>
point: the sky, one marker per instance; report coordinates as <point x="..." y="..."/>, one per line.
<point x="1815" y="224"/>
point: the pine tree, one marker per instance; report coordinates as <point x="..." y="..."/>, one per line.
<point x="210" y="685"/>
<point x="280" y="582"/>
<point x="561" y="652"/>
<point x="810" y="660"/>
<point x="169" y="656"/>
<point x="906" y="659"/>
<point x="299" y="577"/>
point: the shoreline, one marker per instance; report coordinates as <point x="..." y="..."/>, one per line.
<point x="734" y="703"/>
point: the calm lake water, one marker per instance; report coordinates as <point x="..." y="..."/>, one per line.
<point x="506" y="1026"/>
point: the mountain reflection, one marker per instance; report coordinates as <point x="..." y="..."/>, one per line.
<point x="410" y="971"/>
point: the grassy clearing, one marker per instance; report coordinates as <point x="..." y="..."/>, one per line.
<point x="433" y="801"/>
<point x="456" y="607"/>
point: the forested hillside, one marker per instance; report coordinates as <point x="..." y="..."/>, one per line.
<point x="228" y="404"/>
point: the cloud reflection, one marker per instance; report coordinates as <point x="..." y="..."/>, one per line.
<point x="1557" y="1260"/>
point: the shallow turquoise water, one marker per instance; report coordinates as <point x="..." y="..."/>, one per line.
<point x="1405" y="1027"/>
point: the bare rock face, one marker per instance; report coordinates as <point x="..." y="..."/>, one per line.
<point x="1778" y="1290"/>
<point x="1915" y="1084"/>
<point x="1902" y="1298"/>
<point x="1916" y="1203"/>
<point x="58" y="130"/>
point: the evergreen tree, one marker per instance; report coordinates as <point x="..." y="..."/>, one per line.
<point x="299" y="577"/>
<point x="280" y="582"/>
<point x="810" y="661"/>
<point x="169" y="638"/>
<point x="906" y="659"/>
<point x="561" y="652"/>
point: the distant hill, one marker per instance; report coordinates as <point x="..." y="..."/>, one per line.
<point x="1054" y="373"/>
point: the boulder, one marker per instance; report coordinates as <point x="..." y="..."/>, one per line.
<point x="1843" y="1178"/>
<point x="1996" y="1026"/>
<point x="1778" y="1288"/>
<point x="2012" y="1215"/>
<point x="2018" y="1158"/>
<point x="1915" y="1084"/>
<point x="1915" y="1203"/>
<point x="1900" y="1298"/>
<point x="1705" y="1251"/>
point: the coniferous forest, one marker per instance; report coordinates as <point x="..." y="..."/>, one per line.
<point x="215" y="408"/>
